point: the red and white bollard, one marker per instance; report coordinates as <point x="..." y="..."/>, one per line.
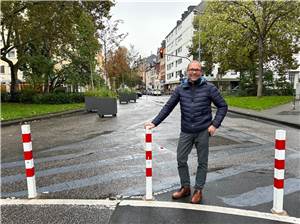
<point x="279" y="163"/>
<point x="29" y="165"/>
<point x="148" y="141"/>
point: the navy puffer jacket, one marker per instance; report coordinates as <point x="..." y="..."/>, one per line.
<point x="195" y="104"/>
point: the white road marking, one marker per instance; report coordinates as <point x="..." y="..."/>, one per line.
<point x="105" y="203"/>
<point x="209" y="208"/>
<point x="157" y="204"/>
<point x="260" y="195"/>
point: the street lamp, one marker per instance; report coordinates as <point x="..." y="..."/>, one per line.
<point x="199" y="43"/>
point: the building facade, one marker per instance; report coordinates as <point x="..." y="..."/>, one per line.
<point x="178" y="42"/>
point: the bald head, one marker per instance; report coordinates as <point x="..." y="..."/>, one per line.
<point x="194" y="62"/>
<point x="194" y="70"/>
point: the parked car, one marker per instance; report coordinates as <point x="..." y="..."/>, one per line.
<point x="156" y="92"/>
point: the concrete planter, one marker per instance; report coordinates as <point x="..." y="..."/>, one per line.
<point x="124" y="98"/>
<point x="107" y="106"/>
<point x="132" y="97"/>
<point x="91" y="103"/>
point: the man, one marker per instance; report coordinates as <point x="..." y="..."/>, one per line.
<point x="195" y="96"/>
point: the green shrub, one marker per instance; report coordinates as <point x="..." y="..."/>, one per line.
<point x="5" y="97"/>
<point x="58" y="98"/>
<point x="31" y="96"/>
<point x="60" y="89"/>
<point x="126" y="91"/>
<point x="101" y="92"/>
<point x="26" y="95"/>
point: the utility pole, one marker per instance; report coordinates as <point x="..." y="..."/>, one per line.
<point x="199" y="36"/>
<point x="92" y="82"/>
<point x="199" y="48"/>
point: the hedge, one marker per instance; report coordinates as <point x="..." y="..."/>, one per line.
<point x="28" y="96"/>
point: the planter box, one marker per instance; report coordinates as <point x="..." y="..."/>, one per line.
<point x="107" y="106"/>
<point x="124" y="97"/>
<point x="132" y="97"/>
<point x="91" y="103"/>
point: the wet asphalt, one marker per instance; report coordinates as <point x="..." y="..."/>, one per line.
<point x="82" y="156"/>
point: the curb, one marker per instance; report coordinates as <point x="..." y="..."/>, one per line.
<point x="265" y="118"/>
<point x="253" y="116"/>
<point x="42" y="117"/>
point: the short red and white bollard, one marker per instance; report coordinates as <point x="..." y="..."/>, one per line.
<point x="279" y="164"/>
<point x="29" y="165"/>
<point x="148" y="141"/>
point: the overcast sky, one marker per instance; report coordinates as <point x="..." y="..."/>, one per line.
<point x="148" y="22"/>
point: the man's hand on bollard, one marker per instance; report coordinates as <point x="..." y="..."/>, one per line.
<point x="211" y="130"/>
<point x="149" y="125"/>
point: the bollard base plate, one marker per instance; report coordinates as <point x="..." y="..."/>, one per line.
<point x="283" y="212"/>
<point x="37" y="196"/>
<point x="152" y="199"/>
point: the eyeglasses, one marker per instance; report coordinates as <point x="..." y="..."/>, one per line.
<point x="194" y="70"/>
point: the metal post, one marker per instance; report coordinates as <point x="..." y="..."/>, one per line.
<point x="29" y="165"/>
<point x="279" y="165"/>
<point x="199" y="48"/>
<point x="148" y="141"/>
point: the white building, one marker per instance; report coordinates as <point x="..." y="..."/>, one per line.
<point x="178" y="42"/>
<point x="294" y="77"/>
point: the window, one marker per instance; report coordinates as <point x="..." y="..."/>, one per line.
<point x="179" y="61"/>
<point x="178" y="39"/>
<point x="179" y="50"/>
<point x="178" y="73"/>
<point x="2" y="70"/>
<point x="169" y="75"/>
<point x="11" y="54"/>
<point x="291" y="76"/>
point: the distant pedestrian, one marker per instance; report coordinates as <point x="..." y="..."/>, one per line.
<point x="195" y="96"/>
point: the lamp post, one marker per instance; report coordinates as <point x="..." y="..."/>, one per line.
<point x="199" y="43"/>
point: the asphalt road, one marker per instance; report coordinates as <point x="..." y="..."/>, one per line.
<point x="82" y="156"/>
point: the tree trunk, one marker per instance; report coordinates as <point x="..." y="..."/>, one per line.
<point x="13" y="89"/>
<point x="46" y="83"/>
<point x="260" y="66"/>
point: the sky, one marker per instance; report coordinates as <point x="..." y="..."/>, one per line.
<point x="148" y="22"/>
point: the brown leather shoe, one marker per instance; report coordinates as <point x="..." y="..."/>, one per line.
<point x="181" y="193"/>
<point x="197" y="197"/>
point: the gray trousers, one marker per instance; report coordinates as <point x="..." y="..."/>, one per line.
<point x="185" y="145"/>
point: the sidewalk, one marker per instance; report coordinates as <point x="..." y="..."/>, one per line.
<point x="284" y="114"/>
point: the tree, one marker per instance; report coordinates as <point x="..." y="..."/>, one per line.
<point x="110" y="39"/>
<point x="117" y="65"/>
<point x="13" y="36"/>
<point x="239" y="34"/>
<point x="122" y="67"/>
<point x="81" y="52"/>
<point x="40" y="27"/>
